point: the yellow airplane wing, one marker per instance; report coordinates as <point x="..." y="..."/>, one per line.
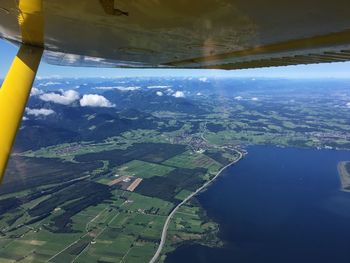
<point x="220" y="34"/>
<point x="186" y="33"/>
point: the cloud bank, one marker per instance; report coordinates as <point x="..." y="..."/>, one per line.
<point x="121" y="88"/>
<point x="50" y="83"/>
<point x="128" y="88"/>
<point x="94" y="100"/>
<point x="36" y="92"/>
<point x="39" y="112"/>
<point x="179" y="94"/>
<point x="65" y="98"/>
<point x="105" y="88"/>
<point x="158" y="87"/>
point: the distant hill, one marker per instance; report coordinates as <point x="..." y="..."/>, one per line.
<point x="72" y="123"/>
<point x="147" y="100"/>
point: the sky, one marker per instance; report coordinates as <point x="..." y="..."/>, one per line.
<point x="326" y="70"/>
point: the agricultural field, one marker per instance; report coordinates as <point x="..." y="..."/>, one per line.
<point x="89" y="218"/>
<point x="190" y="223"/>
<point x="192" y="160"/>
<point x="97" y="184"/>
<point x="144" y="169"/>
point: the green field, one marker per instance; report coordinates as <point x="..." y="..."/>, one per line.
<point x="144" y="169"/>
<point x="83" y="219"/>
<point x="191" y="224"/>
<point x="191" y="160"/>
<point x="183" y="194"/>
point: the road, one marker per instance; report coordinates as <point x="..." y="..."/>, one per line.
<point x="167" y="222"/>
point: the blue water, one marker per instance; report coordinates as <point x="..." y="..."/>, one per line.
<point x="277" y="205"/>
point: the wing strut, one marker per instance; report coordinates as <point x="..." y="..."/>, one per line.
<point x="16" y="87"/>
<point x="14" y="94"/>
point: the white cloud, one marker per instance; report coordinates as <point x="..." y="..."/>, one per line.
<point x="179" y="94"/>
<point x="128" y="88"/>
<point x="199" y="94"/>
<point x="105" y="88"/>
<point x="239" y="98"/>
<point x="24" y="118"/>
<point x="36" y="92"/>
<point x="158" y="87"/>
<point x="38" y="112"/>
<point x="255" y="99"/>
<point x="348" y="104"/>
<point x="65" y="98"/>
<point x="159" y="93"/>
<point x="203" y="79"/>
<point x="94" y="100"/>
<point x="50" y="83"/>
<point x="121" y="88"/>
<point x="48" y="77"/>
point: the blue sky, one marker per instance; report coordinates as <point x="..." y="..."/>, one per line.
<point x="334" y="70"/>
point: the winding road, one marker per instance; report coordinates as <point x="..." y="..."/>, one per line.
<point x="167" y="222"/>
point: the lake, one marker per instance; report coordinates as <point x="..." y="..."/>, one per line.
<point x="277" y="205"/>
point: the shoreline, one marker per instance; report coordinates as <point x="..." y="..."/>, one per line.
<point x="344" y="176"/>
<point x="173" y="212"/>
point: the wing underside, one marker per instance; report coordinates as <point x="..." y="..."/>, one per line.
<point x="225" y="34"/>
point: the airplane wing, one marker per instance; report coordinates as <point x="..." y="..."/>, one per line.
<point x="221" y="34"/>
<point x="210" y="34"/>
